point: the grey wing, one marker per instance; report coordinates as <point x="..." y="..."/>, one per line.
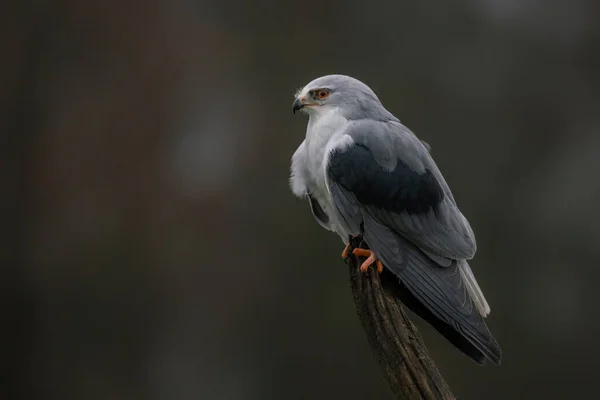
<point x="390" y="173"/>
<point x="386" y="187"/>
<point x="442" y="290"/>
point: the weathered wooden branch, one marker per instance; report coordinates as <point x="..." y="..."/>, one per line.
<point x="395" y="341"/>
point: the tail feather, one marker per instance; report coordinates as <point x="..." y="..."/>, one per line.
<point x="473" y="288"/>
<point x="451" y="334"/>
<point x="449" y="298"/>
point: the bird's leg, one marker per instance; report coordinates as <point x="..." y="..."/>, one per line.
<point x="346" y="251"/>
<point x="371" y="258"/>
<point x="348" y="247"/>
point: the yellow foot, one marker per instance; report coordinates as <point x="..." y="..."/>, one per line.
<point x="371" y="258"/>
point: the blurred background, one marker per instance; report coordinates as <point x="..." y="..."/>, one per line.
<point x="151" y="247"/>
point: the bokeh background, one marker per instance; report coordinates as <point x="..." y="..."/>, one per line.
<point x="151" y="247"/>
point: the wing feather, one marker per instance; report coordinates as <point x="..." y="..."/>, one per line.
<point x="442" y="290"/>
<point x="390" y="172"/>
<point x="386" y="187"/>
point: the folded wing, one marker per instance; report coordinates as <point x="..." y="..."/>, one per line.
<point x="386" y="186"/>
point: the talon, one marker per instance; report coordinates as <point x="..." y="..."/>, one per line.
<point x="371" y="258"/>
<point x="379" y="266"/>
<point x="346" y="251"/>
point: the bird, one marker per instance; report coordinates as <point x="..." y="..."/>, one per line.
<point x="367" y="175"/>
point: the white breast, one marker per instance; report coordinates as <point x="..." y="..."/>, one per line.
<point x="324" y="133"/>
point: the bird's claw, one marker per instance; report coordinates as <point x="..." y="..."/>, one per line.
<point x="346" y="251"/>
<point x="371" y="258"/>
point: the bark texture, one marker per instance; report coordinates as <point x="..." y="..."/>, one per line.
<point x="394" y="339"/>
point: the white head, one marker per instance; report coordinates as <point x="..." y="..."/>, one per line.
<point x="352" y="98"/>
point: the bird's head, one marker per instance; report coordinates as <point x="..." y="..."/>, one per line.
<point x="350" y="96"/>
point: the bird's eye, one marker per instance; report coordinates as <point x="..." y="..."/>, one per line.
<point x="322" y="94"/>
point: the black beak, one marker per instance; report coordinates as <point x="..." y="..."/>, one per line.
<point x="298" y="105"/>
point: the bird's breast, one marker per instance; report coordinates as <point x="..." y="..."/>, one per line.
<point x="321" y="134"/>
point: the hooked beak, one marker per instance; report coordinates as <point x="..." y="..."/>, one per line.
<point x="298" y="105"/>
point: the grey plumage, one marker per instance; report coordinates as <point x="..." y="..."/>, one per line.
<point x="442" y="230"/>
<point x="364" y="173"/>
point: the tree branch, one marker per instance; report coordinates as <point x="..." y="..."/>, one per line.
<point x="395" y="341"/>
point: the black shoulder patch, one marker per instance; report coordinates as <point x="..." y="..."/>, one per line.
<point x="403" y="189"/>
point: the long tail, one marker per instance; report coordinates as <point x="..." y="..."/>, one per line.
<point x="445" y="329"/>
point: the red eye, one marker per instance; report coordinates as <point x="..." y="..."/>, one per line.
<point x="322" y="94"/>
